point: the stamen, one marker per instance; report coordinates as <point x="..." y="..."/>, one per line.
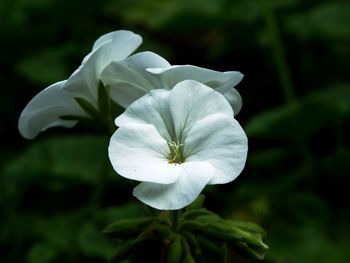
<point x="176" y="155"/>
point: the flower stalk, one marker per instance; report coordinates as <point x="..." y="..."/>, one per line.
<point x="175" y="218"/>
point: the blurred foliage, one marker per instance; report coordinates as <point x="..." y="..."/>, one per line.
<point x="58" y="192"/>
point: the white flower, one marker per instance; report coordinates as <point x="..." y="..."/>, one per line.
<point x="133" y="77"/>
<point x="46" y="108"/>
<point x="176" y="142"/>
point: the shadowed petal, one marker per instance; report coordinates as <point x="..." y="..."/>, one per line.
<point x="194" y="177"/>
<point x="44" y="110"/>
<point x="219" y="140"/>
<point x="191" y="101"/>
<point x="220" y="81"/>
<point x="138" y="152"/>
<point x="114" y="46"/>
<point x="235" y="100"/>
<point x="152" y="109"/>
<point x="129" y="80"/>
<point x="127" y="41"/>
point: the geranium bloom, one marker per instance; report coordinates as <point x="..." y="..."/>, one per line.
<point x="46" y="108"/>
<point x="176" y="142"/>
<point x="133" y="77"/>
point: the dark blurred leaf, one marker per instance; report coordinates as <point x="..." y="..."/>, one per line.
<point x="82" y="157"/>
<point x="308" y="243"/>
<point x="127" y="228"/>
<point x="128" y="210"/>
<point x="42" y="253"/>
<point x="47" y="66"/>
<point x="326" y="20"/>
<point x="92" y="243"/>
<point x="289" y="122"/>
<point x="300" y="120"/>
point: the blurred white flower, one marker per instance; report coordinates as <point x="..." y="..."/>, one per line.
<point x="133" y="77"/>
<point x="176" y="142"/>
<point x="46" y="108"/>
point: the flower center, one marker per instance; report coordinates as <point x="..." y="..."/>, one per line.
<point x="176" y="152"/>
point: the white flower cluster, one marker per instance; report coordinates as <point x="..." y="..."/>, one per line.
<point x="178" y="132"/>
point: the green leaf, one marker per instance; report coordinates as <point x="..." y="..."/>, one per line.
<point x="127" y="228"/>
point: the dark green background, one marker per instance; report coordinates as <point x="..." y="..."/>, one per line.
<point x="58" y="191"/>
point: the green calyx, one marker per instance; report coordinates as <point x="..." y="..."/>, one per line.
<point x="100" y="115"/>
<point x="193" y="234"/>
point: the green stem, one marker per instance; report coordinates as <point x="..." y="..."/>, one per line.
<point x="101" y="181"/>
<point x="278" y="52"/>
<point x="108" y="125"/>
<point x="175" y="219"/>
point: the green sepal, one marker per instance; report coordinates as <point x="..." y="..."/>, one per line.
<point x="196" y="213"/>
<point x="209" y="246"/>
<point x="115" y="109"/>
<point x="163" y="230"/>
<point x="215" y="229"/>
<point x="175" y="250"/>
<point x="244" y="235"/>
<point x="195" y="247"/>
<point x="123" y="251"/>
<point x="88" y="107"/>
<point x="217" y="251"/>
<point x="187" y="258"/>
<point x="197" y="203"/>
<point x="250" y="251"/>
<point x="127" y="228"/>
<point x="247" y="226"/>
<point x="103" y="100"/>
<point x="251" y="238"/>
<point x="250" y="233"/>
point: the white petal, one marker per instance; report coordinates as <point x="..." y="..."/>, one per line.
<point x="129" y="80"/>
<point x="123" y="43"/>
<point x="44" y="110"/>
<point x="152" y="109"/>
<point x="138" y="152"/>
<point x="193" y="179"/>
<point x="220" y="81"/>
<point x="120" y="34"/>
<point x="191" y="101"/>
<point x="112" y="47"/>
<point x="219" y="140"/>
<point x="103" y="39"/>
<point x="235" y="100"/>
